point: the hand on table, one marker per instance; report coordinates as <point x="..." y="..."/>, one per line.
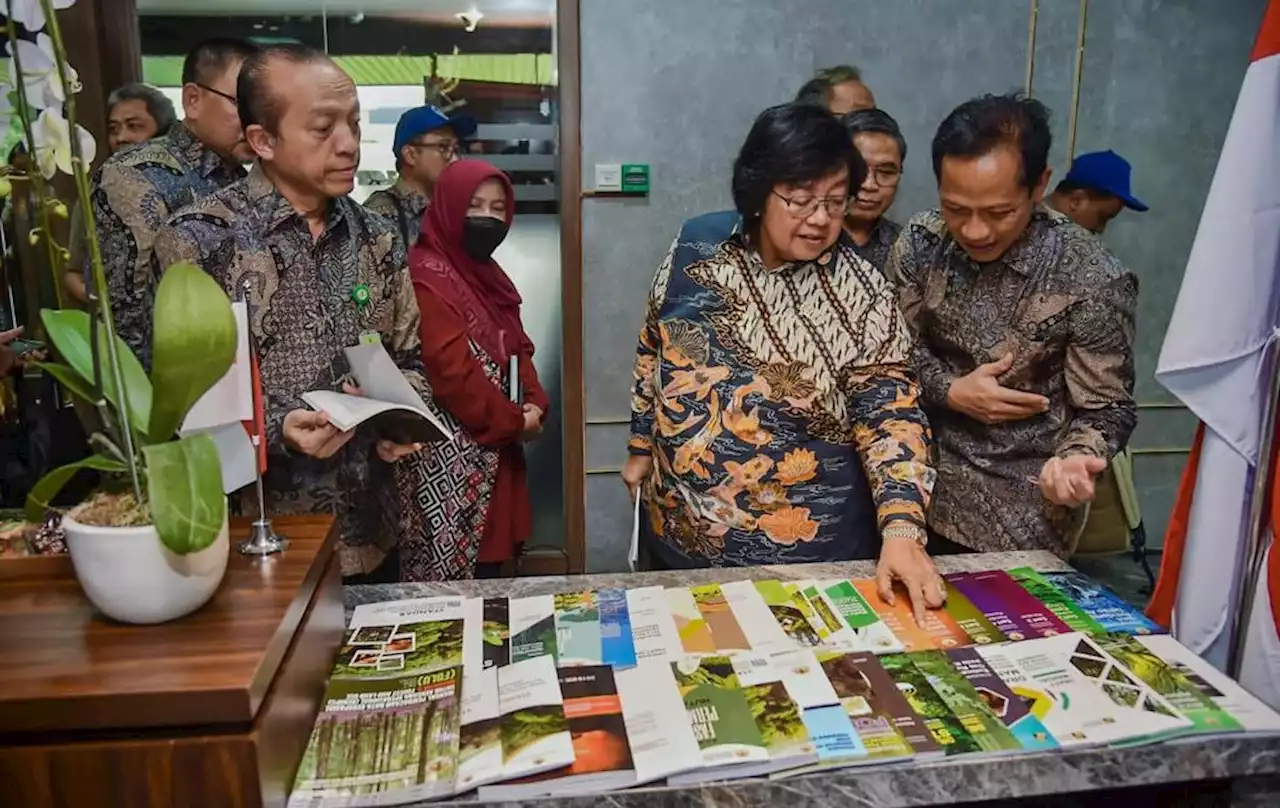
<point x="904" y="559"/>
<point x="980" y="396"/>
<point x="1069" y="480"/>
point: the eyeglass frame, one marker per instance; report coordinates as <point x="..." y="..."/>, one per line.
<point x="455" y="147"/>
<point x="828" y="203"/>
<point x="218" y="93"/>
<point x="874" y="171"/>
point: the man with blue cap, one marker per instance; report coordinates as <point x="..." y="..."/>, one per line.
<point x="426" y="141"/>
<point x="1095" y="190"/>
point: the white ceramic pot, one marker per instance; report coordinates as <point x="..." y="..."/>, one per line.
<point x="132" y="577"/>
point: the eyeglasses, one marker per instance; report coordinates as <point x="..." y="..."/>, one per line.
<point x="209" y="89"/>
<point x="803" y="207"/>
<point x="886" y="176"/>
<point x="447" y="148"/>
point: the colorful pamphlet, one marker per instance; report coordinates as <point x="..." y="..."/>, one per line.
<point x="617" y="647"/>
<point x="1003" y="601"/>
<point x="1058" y="602"/>
<point x="884" y="720"/>
<point x="939" y="632"/>
<point x="577" y="629"/>
<point x="1001" y="701"/>
<point x="1104" y="606"/>
<point x="533" y="627"/>
<point x="951" y="733"/>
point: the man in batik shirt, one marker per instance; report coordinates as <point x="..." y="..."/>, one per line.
<point x="426" y="142"/>
<point x="1024" y="329"/>
<point x="319" y="273"/>
<point x="878" y="139"/>
<point x="136" y="191"/>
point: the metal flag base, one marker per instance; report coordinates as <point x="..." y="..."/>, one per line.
<point x="263" y="541"/>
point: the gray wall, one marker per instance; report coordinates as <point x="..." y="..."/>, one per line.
<point x="676" y="84"/>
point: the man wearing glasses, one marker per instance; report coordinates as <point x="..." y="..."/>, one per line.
<point x="877" y="138"/>
<point x="136" y="190"/>
<point x="426" y="141"/>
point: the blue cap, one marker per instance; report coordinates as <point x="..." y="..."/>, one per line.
<point x="420" y="120"/>
<point x="1107" y="172"/>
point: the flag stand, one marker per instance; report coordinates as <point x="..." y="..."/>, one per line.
<point x="263" y="540"/>
<point x="1255" y="544"/>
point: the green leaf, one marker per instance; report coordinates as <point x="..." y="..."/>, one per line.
<point x="69" y="378"/>
<point x="43" y="492"/>
<point x="193" y="346"/>
<point x="184" y="485"/>
<point x="69" y="330"/>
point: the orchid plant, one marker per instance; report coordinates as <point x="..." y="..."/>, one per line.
<point x="152" y="475"/>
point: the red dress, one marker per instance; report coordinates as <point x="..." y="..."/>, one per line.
<point x="460" y="386"/>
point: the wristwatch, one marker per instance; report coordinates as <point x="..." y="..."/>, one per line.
<point x="906" y="530"/>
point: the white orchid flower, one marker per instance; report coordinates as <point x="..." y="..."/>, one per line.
<point x="40" y="77"/>
<point x="30" y="15"/>
<point x="52" y="134"/>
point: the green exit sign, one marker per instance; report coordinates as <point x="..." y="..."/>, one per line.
<point x="635" y="178"/>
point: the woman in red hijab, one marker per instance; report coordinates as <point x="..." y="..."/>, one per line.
<point x="470" y="331"/>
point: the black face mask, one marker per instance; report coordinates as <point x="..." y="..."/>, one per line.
<point x="481" y="235"/>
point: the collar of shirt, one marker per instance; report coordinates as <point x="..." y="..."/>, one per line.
<point x="193" y="150"/>
<point x="416" y="199"/>
<point x="276" y="211"/>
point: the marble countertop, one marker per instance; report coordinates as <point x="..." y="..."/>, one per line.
<point x="551" y="584"/>
<point x="1251" y="760"/>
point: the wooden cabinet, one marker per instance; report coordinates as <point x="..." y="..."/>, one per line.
<point x="213" y="709"/>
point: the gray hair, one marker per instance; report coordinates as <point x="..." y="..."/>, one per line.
<point x="159" y="107"/>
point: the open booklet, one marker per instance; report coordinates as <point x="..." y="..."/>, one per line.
<point x="389" y="405"/>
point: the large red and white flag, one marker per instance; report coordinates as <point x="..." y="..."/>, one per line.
<point x="1217" y="357"/>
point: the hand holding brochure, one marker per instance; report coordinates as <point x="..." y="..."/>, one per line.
<point x="389" y="404"/>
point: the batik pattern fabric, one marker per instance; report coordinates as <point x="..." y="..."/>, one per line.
<point x="303" y="311"/>
<point x="876" y="251"/>
<point x="1064" y="307"/>
<point x="451" y="487"/>
<point x="777" y="405"/>
<point x="402" y="205"/>
<point x="134" y="193"/>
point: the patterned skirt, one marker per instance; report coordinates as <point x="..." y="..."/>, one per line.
<point x="445" y="491"/>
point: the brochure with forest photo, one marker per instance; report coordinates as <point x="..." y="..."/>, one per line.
<point x="745" y="728"/>
<point x="382" y="742"/>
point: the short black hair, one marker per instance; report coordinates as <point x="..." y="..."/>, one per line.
<point x="817" y="90"/>
<point x="159" y="107"/>
<point x="981" y="124"/>
<point x="791" y="144"/>
<point x="254" y="99"/>
<point x="865" y="121"/>
<point x="211" y="58"/>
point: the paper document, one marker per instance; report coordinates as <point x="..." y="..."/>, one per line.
<point x="389" y="403"/>
<point x="230" y="400"/>
<point x="236" y="454"/>
<point x="633" y="557"/>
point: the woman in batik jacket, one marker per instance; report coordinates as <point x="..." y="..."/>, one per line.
<point x="774" y="419"/>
